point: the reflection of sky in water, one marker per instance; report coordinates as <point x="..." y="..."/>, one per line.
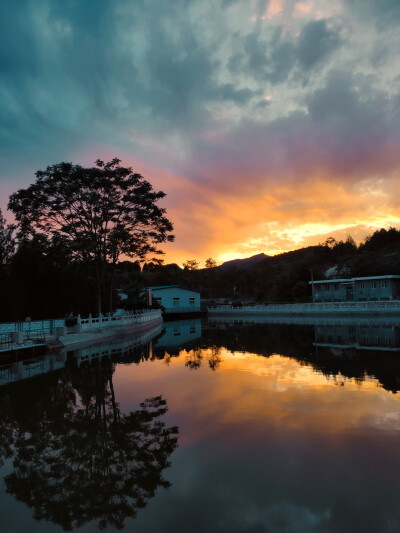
<point x="266" y="445"/>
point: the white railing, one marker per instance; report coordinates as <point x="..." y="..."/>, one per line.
<point x="109" y="321"/>
<point x="393" y="305"/>
<point x="29" y="327"/>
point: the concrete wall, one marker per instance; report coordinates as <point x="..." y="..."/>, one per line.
<point x="310" y="309"/>
<point x="329" y="292"/>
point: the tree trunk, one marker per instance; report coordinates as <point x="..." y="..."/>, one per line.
<point x="98" y="287"/>
<point x="98" y="299"/>
<point x="111" y="290"/>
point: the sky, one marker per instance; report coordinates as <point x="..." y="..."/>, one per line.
<point x="269" y="124"/>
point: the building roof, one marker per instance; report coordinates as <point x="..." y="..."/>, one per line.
<point x="350" y="280"/>
<point x="163" y="287"/>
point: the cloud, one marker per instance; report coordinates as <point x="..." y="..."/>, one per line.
<point x="216" y="106"/>
<point x="316" y="43"/>
<point x="385" y="13"/>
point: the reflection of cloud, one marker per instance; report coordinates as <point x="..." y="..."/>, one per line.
<point x="276" y="388"/>
<point x="268" y="445"/>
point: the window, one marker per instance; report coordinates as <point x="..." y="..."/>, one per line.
<point x="176" y="302"/>
<point x="336" y="286"/>
<point x="159" y="300"/>
<point x="177" y="330"/>
<point x="327" y="287"/>
<point x="191" y="302"/>
<point x="362" y="285"/>
<point x="384" y="283"/>
<point x="373" y="285"/>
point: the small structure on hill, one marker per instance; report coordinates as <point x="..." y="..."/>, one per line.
<point x="378" y="288"/>
<point x="175" y="299"/>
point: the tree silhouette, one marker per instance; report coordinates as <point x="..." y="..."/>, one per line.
<point x="191" y="264"/>
<point x="102" y="212"/>
<point x="193" y="359"/>
<point x="210" y="263"/>
<point x="7" y="242"/>
<point x="215" y="359"/>
<point x="90" y="461"/>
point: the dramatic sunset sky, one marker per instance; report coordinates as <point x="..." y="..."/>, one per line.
<point x="270" y="124"/>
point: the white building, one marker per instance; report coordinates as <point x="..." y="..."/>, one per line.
<point x="176" y="299"/>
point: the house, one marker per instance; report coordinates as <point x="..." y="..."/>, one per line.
<point x="175" y="299"/>
<point x="377" y="288"/>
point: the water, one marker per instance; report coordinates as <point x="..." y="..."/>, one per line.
<point x="209" y="427"/>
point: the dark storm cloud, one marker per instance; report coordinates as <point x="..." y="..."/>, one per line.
<point x="384" y="13"/>
<point x="316" y="43"/>
<point x="270" y="60"/>
<point x="273" y="60"/>
<point x="72" y="71"/>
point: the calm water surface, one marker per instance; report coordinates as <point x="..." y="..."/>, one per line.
<point x="208" y="427"/>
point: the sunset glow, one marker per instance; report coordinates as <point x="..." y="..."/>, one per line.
<point x="270" y="124"/>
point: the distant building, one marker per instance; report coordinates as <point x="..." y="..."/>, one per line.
<point x="356" y="289"/>
<point x="175" y="299"/>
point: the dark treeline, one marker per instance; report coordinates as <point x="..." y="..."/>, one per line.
<point x="40" y="277"/>
<point x="281" y="278"/>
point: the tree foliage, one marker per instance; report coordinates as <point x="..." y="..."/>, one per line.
<point x="210" y="263"/>
<point x="191" y="264"/>
<point x="102" y="212"/>
<point x="7" y="241"/>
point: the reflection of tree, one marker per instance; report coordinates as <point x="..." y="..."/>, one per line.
<point x="193" y="359"/>
<point x="7" y="429"/>
<point x="93" y="462"/>
<point x="215" y="359"/>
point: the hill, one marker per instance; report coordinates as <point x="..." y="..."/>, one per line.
<point x="241" y="264"/>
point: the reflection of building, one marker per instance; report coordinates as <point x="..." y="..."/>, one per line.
<point x="175" y="299"/>
<point x="180" y="332"/>
<point x="362" y="337"/>
<point x="117" y="349"/>
<point x="356" y="289"/>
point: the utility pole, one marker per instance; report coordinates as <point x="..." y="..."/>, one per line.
<point x="312" y="286"/>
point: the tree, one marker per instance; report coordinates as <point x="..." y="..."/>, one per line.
<point x="7" y="242"/>
<point x="330" y="242"/>
<point x="77" y="457"/>
<point x="211" y="263"/>
<point x="103" y="212"/>
<point x="191" y="264"/>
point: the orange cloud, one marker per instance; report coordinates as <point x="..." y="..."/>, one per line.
<point x="302" y="8"/>
<point x="275" y="7"/>
<point x="274" y="219"/>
